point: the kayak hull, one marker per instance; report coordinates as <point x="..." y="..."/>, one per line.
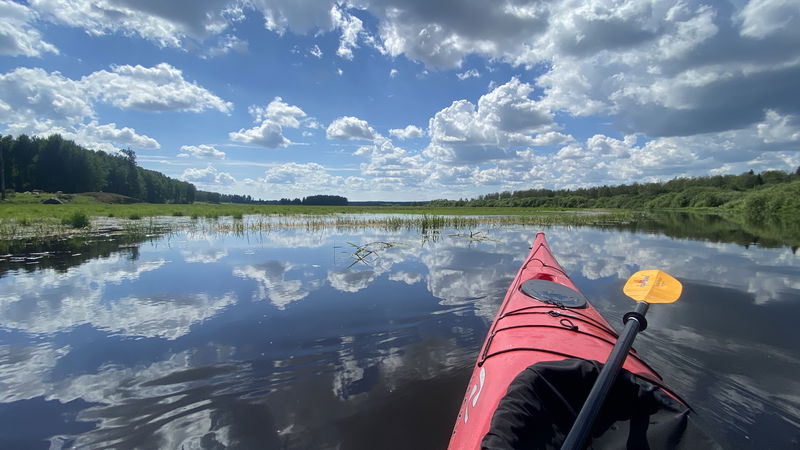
<point x="528" y="330"/>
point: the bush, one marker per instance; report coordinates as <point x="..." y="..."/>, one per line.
<point x="78" y="219"/>
<point x="134" y="217"/>
<point x="778" y="202"/>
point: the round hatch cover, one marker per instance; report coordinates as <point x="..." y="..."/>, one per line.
<point x="554" y="293"/>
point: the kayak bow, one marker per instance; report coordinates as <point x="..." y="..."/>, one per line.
<point x="542" y="318"/>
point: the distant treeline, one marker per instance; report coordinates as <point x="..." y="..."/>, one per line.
<point x="329" y="200"/>
<point x="54" y="164"/>
<point x="216" y="197"/>
<point x="769" y="194"/>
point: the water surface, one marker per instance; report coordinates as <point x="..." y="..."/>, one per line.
<point x="284" y="339"/>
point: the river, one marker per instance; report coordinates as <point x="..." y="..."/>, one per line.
<point x="329" y="338"/>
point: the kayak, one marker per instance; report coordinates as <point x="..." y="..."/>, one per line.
<point x="545" y="338"/>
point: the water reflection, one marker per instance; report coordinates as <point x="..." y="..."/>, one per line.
<point x="284" y="340"/>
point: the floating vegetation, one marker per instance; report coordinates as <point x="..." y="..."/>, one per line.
<point x="472" y="236"/>
<point x="368" y="253"/>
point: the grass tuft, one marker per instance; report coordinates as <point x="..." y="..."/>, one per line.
<point x="78" y="219"/>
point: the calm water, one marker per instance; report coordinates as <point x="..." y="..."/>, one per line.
<point x="284" y="340"/>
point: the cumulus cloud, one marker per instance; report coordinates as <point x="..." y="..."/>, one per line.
<point x="300" y="174"/>
<point x="270" y="123"/>
<point x="38" y="102"/>
<point x="94" y="133"/>
<point x="350" y="128"/>
<point x="17" y="36"/>
<point x="390" y="168"/>
<point x="779" y="129"/>
<point x="315" y="51"/>
<point x="504" y="118"/>
<point x="201" y="152"/>
<point x="266" y="134"/>
<point x="409" y="132"/>
<point x="208" y="176"/>
<point x="29" y="95"/>
<point x="158" y="88"/>
<point x="661" y="71"/>
<point x="299" y="179"/>
<point x="164" y="23"/>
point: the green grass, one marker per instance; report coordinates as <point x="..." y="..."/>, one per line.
<point x="24" y="216"/>
<point x="29" y="206"/>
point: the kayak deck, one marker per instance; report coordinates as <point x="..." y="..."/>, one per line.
<point x="530" y="329"/>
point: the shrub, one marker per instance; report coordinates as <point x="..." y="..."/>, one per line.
<point x="77" y="219"/>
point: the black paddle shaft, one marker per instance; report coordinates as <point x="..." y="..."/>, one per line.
<point x="576" y="439"/>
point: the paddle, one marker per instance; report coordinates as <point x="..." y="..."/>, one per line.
<point x="646" y="286"/>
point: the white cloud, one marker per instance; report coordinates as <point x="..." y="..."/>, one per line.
<point x="17" y="36"/>
<point x="350" y="27"/>
<point x="158" y="88"/>
<point x="504" y="118"/>
<point x="63" y="300"/>
<point x="201" y="152"/>
<point x="227" y="44"/>
<point x="762" y="18"/>
<point x="391" y="168"/>
<point x="551" y="138"/>
<point x="471" y="73"/>
<point x="93" y="136"/>
<point x="779" y="129"/>
<point x="316" y="51"/>
<point x="393" y="73"/>
<point x="350" y="280"/>
<point x="208" y="176"/>
<point x="278" y="111"/>
<point x="409" y="132"/>
<point x="36" y="102"/>
<point x="271" y="276"/>
<point x="350" y="128"/>
<point x="27" y="95"/>
<point x="300" y="175"/>
<point x="164" y="23"/>
<point x="269" y="132"/>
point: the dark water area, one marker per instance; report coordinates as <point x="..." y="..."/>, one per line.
<point x="284" y="339"/>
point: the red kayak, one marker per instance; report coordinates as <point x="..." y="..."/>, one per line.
<point x="543" y="319"/>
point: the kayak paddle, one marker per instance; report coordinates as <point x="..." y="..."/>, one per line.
<point x="646" y="286"/>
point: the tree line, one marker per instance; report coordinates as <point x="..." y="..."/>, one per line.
<point x="55" y="164"/>
<point x="708" y="191"/>
<point x="330" y="200"/>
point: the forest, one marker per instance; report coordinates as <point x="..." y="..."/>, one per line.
<point x="769" y="194"/>
<point x="55" y="164"/>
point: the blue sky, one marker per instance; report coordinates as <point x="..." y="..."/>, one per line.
<point x="410" y="100"/>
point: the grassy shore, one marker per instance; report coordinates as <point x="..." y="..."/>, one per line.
<point x="30" y="207"/>
<point x="24" y="218"/>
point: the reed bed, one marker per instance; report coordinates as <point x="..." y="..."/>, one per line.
<point x="43" y="229"/>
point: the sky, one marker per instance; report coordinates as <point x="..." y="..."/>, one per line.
<point x="413" y="99"/>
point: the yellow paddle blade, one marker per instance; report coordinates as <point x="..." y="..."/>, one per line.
<point x="653" y="286"/>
